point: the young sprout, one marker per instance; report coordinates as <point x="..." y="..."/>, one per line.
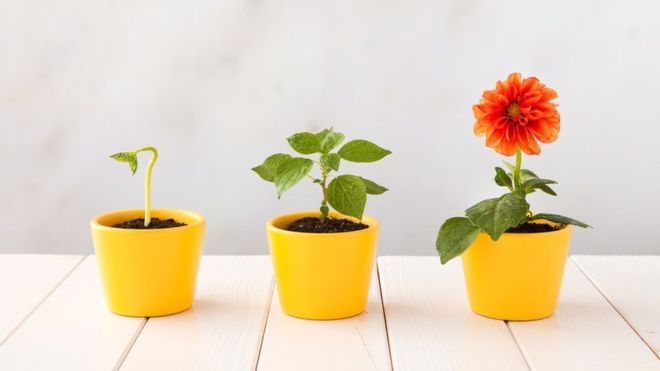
<point x="132" y="160"/>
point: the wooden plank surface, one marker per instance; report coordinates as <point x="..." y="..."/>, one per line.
<point x="632" y="285"/>
<point x="585" y="333"/>
<point x="223" y="329"/>
<point x="358" y="343"/>
<point x="72" y="329"/>
<point x="430" y="324"/>
<point x="25" y="281"/>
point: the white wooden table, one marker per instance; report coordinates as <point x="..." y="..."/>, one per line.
<point x="53" y="317"/>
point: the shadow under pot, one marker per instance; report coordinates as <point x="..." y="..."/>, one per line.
<point x="322" y="276"/>
<point x="517" y="277"/>
<point x="148" y="272"/>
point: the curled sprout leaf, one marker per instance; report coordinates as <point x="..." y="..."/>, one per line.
<point x="128" y="157"/>
<point x="131" y="159"/>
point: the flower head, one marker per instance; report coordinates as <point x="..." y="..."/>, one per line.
<point x="516" y="114"/>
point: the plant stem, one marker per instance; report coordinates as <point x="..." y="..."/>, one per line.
<point x="324" y="203"/>
<point x="147" y="183"/>
<point x="516" y="172"/>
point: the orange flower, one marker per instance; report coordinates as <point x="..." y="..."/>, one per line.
<point x="517" y="114"/>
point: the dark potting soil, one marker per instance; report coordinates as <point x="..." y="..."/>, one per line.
<point x="154" y="224"/>
<point x="535" y="228"/>
<point x="325" y="225"/>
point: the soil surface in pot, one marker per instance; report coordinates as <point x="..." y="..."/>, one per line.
<point x="154" y="224"/>
<point x="326" y="225"/>
<point x="535" y="228"/>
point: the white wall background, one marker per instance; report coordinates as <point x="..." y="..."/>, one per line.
<point x="218" y="85"/>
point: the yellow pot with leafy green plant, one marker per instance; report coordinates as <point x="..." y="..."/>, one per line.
<point x="148" y="259"/>
<point x="513" y="259"/>
<point x="323" y="260"/>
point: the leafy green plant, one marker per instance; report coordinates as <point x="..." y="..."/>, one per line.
<point x="345" y="193"/>
<point x="496" y="215"/>
<point x="132" y="159"/>
<point x="513" y="116"/>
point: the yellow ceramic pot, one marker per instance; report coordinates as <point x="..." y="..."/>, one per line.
<point x="517" y="277"/>
<point x="152" y="272"/>
<point x="322" y="275"/>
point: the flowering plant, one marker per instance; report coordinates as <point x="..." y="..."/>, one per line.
<point x="513" y="117"/>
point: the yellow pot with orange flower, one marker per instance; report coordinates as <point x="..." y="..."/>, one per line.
<point x="513" y="259"/>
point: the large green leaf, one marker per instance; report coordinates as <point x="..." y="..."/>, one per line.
<point x="290" y="172"/>
<point x="330" y="160"/>
<point x="560" y="219"/>
<point x="362" y="151"/>
<point x="128" y="157"/>
<point x="329" y="139"/>
<point x="374" y="188"/>
<point x="496" y="215"/>
<point x="268" y="169"/>
<point x="348" y="195"/>
<point x="454" y="237"/>
<point x="305" y="143"/>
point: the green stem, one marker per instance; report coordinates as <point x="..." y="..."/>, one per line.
<point x="147" y="183"/>
<point x="516" y="172"/>
<point x="324" y="204"/>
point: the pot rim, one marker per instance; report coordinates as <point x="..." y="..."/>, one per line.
<point x="200" y="219"/>
<point x="366" y="219"/>
<point x="567" y="228"/>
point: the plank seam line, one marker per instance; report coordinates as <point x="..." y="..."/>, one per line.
<point x="48" y="294"/>
<point x="265" y="325"/>
<point x="129" y="346"/>
<point x="593" y="283"/>
<point x="520" y="348"/>
<point x="382" y="304"/>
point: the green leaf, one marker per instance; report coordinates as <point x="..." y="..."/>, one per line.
<point x="496" y="215"/>
<point x="373" y="188"/>
<point x="526" y="175"/>
<point x="535" y="183"/>
<point x="454" y="237"/>
<point x="268" y="169"/>
<point x="348" y="195"/>
<point x="329" y="139"/>
<point x="330" y="160"/>
<point x="305" y="143"/>
<point x="290" y="172"/>
<point x="129" y="157"/>
<point x="362" y="151"/>
<point x="502" y="179"/>
<point x="560" y="219"/>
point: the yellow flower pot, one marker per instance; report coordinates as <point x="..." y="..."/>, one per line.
<point x="152" y="272"/>
<point x="517" y="277"/>
<point x="322" y="275"/>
